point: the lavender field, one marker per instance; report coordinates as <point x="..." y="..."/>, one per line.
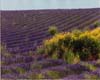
<point x="22" y="32"/>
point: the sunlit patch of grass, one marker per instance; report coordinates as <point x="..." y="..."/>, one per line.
<point x="55" y="56"/>
<point x="3" y="63"/>
<point x="99" y="55"/>
<point x="91" y="77"/>
<point x="54" y="74"/>
<point x="7" y="55"/>
<point x="20" y="70"/>
<point x="6" y="71"/>
<point x="36" y="66"/>
<point x="36" y="76"/>
<point x="89" y="66"/>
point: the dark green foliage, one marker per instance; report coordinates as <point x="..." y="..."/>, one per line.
<point x="53" y="30"/>
<point x="97" y="24"/>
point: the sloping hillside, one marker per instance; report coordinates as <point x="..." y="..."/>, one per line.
<point x="22" y="31"/>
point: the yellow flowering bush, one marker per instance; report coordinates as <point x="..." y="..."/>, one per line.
<point x="85" y="44"/>
<point x="96" y="33"/>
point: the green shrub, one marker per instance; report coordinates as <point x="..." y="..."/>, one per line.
<point x="97" y="24"/>
<point x="90" y="46"/>
<point x="53" y="30"/>
<point x="85" y="46"/>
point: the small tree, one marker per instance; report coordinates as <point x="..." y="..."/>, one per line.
<point x="53" y="30"/>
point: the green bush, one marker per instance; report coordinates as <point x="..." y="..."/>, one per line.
<point x="53" y="30"/>
<point x="97" y="24"/>
<point x="86" y="46"/>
